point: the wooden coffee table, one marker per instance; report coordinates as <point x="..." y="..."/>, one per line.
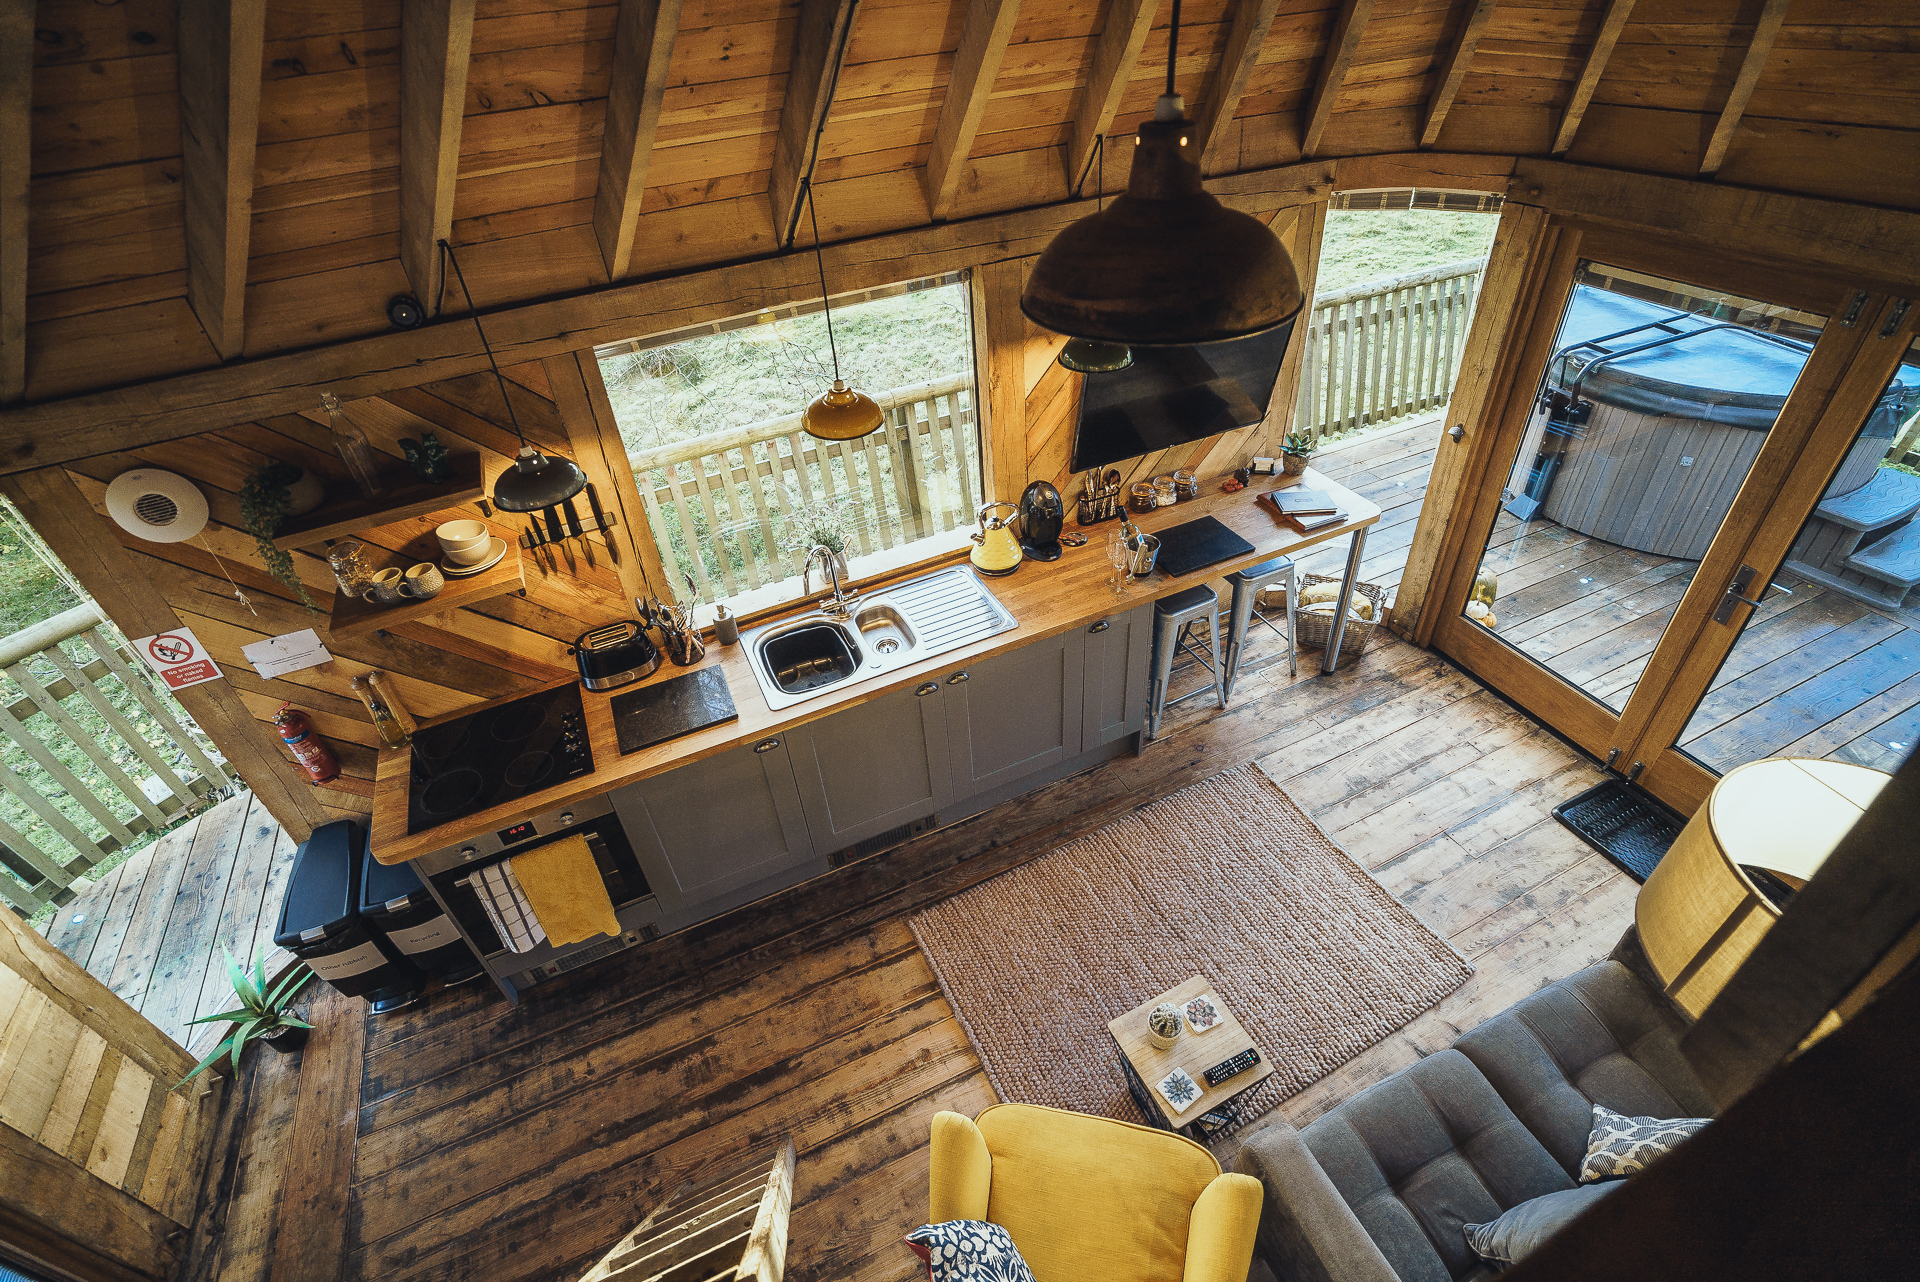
<point x="1145" y="1065"/>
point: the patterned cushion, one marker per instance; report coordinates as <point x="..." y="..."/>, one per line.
<point x="1623" y="1145"/>
<point x="968" y="1251"/>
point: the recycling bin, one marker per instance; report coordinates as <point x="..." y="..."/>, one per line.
<point x="397" y="906"/>
<point x="320" y="922"/>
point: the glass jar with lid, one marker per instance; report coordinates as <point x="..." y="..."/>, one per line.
<point x="351" y="568"/>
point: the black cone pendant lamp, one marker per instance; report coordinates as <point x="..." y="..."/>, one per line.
<point x="1165" y="265"/>
<point x="535" y="481"/>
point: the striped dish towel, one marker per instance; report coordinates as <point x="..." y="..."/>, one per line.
<point x="507" y="906"/>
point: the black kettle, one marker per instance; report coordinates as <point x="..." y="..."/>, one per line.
<point x="1042" y="514"/>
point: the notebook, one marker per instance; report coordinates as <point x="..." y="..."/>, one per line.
<point x="1305" y="523"/>
<point x="1298" y="502"/>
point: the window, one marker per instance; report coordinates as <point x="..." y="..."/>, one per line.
<point x="736" y="492"/>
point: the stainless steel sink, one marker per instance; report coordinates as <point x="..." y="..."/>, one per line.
<point x="802" y="657"/>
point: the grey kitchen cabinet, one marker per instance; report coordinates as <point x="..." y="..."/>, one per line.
<point x="1015" y="714"/>
<point x="1119" y="655"/>
<point x="720" y="831"/>
<point x="872" y="767"/>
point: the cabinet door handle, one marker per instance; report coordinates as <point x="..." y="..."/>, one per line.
<point x="1101" y="626"/>
<point x="927" y="689"/>
<point x="957" y="678"/>
<point x="766" y="745"/>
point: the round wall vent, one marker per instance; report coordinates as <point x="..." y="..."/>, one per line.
<point x="160" y="507"/>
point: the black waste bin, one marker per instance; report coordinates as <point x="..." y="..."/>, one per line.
<point x="398" y="906"/>
<point x="320" y="922"/>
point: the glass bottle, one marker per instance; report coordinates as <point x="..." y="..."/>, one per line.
<point x="385" y="724"/>
<point x="350" y="443"/>
<point x="1486" y="586"/>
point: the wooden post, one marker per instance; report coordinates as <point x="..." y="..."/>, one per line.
<point x="818" y="47"/>
<point x="1615" y="21"/>
<point x="54" y="506"/>
<point x="220" y="51"/>
<point x="643" y="39"/>
<point x="1341" y="51"/>
<point x="1115" y="53"/>
<point x="983" y="45"/>
<point x="16" y="138"/>
<point x="999" y="338"/>
<point x="436" y="39"/>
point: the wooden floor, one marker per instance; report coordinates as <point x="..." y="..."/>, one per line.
<point x="152" y="929"/>
<point x="465" y="1139"/>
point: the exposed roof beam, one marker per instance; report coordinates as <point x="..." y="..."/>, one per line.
<point x="1251" y="19"/>
<point x="436" y="39"/>
<point x="16" y="136"/>
<point x="220" y="44"/>
<point x="1611" y="25"/>
<point x="818" y="47"/>
<point x="1765" y="32"/>
<point x="1333" y="72"/>
<point x="1454" y="70"/>
<point x="983" y="44"/>
<point x="643" y="37"/>
<point x="1121" y="39"/>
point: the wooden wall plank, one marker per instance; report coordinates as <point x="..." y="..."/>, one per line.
<point x="1765" y="31"/>
<point x="1122" y="36"/>
<point x="436" y="40"/>
<point x="976" y="65"/>
<point x="642" y="49"/>
<point x="1252" y="19"/>
<point x="16" y="134"/>
<point x="83" y="1226"/>
<point x="1342" y="49"/>
<point x="819" y="45"/>
<point x="1002" y="397"/>
<point x="1473" y="25"/>
<point x="1611" y="25"/>
<point x="220" y="56"/>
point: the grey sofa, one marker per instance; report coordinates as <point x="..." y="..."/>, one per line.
<point x="1377" y="1189"/>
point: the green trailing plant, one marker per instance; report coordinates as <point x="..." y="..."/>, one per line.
<point x="260" y="1015"/>
<point x="265" y="500"/>
<point x="1298" y="444"/>
<point x="427" y="457"/>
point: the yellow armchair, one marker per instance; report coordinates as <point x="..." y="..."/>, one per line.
<point x="1086" y="1197"/>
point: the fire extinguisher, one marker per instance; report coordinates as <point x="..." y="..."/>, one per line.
<point x="309" y="749"/>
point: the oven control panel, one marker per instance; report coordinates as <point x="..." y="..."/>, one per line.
<point x="544" y="823"/>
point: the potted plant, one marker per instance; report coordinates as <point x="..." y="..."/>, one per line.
<point x="262" y="1016"/>
<point x="1295" y="449"/>
<point x="267" y="498"/>
<point x="825" y="522"/>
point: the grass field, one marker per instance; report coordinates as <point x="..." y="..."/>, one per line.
<point x="1364" y="245"/>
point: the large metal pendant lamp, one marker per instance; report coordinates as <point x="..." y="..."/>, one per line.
<point x="1165" y="265"/>
<point x="840" y="413"/>
<point x="535" y="480"/>
<point x="1086" y="355"/>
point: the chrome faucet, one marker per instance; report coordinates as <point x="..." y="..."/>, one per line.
<point x="841" y="605"/>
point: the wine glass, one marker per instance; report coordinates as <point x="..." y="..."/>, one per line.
<point x="1120" y="557"/>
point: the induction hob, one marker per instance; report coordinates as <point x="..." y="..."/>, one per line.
<point x="491" y="757"/>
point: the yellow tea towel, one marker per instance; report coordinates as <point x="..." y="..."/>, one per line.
<point x="564" y="887"/>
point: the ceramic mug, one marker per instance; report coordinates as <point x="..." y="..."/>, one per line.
<point x="464" y="542"/>
<point x="386" y="587"/>
<point x="422" y="581"/>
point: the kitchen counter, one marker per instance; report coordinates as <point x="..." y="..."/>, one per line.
<point x="1046" y="599"/>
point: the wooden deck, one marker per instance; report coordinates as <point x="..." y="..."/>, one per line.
<point x="464" y="1139"/>
<point x="151" y="929"/>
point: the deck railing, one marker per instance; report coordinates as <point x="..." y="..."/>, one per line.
<point x="92" y="757"/>
<point x="728" y="507"/>
<point x="1384" y="348"/>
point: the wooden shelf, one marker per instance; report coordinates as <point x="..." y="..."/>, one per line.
<point x="337" y="520"/>
<point x="357" y="618"/>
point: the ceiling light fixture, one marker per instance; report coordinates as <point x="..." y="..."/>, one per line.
<point x="840" y="413"/>
<point x="1086" y="355"/>
<point x="535" y="480"/>
<point x="1166" y="265"/>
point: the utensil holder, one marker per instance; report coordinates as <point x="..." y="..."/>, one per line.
<point x="1101" y="505"/>
<point x="684" y="648"/>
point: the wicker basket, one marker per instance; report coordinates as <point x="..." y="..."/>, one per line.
<point x="1315" y="629"/>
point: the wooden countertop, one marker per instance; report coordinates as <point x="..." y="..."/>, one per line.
<point x="1046" y="599"/>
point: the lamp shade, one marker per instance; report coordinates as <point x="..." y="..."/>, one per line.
<point x="1085" y="356"/>
<point x="1165" y="265"/>
<point x="841" y="413"/>
<point x="536" y="481"/>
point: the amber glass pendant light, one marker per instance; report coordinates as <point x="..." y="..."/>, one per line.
<point x="840" y="413"/>
<point x="1086" y="355"/>
<point x="1165" y="265"/>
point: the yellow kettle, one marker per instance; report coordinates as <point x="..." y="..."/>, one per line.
<point x="996" y="550"/>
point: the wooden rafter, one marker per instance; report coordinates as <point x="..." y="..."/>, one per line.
<point x="1765" y="32"/>
<point x="16" y="136"/>
<point x="1333" y="72"/>
<point x="220" y="47"/>
<point x="1251" y="19"/>
<point x="1454" y="70"/>
<point x="818" y="47"/>
<point x="436" y="38"/>
<point x="1611" y="25"/>
<point x="983" y="44"/>
<point x="643" y="38"/>
<point x="1121" y="39"/>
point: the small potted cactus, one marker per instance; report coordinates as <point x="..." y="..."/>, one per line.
<point x="1295" y="450"/>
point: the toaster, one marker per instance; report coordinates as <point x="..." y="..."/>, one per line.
<point x="615" y="655"/>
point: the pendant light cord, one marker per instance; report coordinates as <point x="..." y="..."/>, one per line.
<point x="821" y="262"/>
<point x="447" y="256"/>
<point x="1173" y="44"/>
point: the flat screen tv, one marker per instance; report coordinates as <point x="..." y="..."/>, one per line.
<point x="1172" y="395"/>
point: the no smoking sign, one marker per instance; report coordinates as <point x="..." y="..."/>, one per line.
<point x="178" y="658"/>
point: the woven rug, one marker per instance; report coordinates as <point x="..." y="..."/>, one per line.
<point x="1226" y="879"/>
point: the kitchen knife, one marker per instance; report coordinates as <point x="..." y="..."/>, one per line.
<point x="600" y="522"/>
<point x="559" y="536"/>
<point x="573" y="527"/>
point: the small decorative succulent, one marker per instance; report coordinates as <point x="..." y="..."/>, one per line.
<point x="1298" y="444"/>
<point x="261" y="1015"/>
<point x="427" y="457"/>
<point x="265" y="500"/>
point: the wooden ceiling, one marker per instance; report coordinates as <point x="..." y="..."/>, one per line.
<point x="212" y="182"/>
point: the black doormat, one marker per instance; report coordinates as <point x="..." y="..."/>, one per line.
<point x="1622" y="823"/>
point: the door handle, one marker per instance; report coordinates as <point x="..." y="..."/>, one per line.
<point x="1737" y="594"/>
<point x="1101" y="626"/>
<point x="930" y="687"/>
<point x="766" y="745"/>
<point x="957" y="678"/>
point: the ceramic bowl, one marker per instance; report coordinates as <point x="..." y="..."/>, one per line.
<point x="464" y="542"/>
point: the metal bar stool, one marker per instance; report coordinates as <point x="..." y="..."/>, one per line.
<point x="1172" y="617"/>
<point x="1245" y="609"/>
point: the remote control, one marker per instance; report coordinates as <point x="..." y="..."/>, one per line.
<point x="1240" y="1063"/>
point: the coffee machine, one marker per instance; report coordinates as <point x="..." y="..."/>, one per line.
<point x="1042" y="514"/>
